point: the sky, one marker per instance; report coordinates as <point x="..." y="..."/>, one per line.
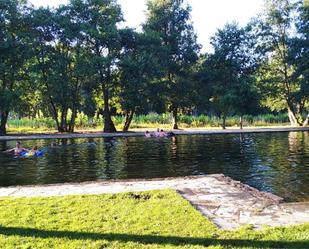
<point x="207" y="15"/>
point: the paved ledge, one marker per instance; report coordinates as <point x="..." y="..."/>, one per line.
<point x="141" y="133"/>
<point x="228" y="203"/>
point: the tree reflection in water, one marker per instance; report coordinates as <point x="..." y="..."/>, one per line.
<point x="274" y="162"/>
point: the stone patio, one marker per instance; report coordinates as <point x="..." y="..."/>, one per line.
<point x="228" y="203"/>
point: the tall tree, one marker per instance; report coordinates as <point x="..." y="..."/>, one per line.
<point x="169" y="21"/>
<point x="61" y="63"/>
<point x="279" y="88"/>
<point x="229" y="71"/>
<point x="14" y="52"/>
<point x="98" y="20"/>
<point x="299" y="57"/>
<point x="77" y="61"/>
<point x="44" y="36"/>
<point x="138" y="69"/>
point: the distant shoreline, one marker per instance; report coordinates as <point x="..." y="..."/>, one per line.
<point x="140" y="132"/>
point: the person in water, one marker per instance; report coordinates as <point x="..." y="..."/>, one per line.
<point x="162" y="133"/>
<point x="157" y="133"/>
<point x="33" y="151"/>
<point x="17" y="150"/>
<point x="148" y="134"/>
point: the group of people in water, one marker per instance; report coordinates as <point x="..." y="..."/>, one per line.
<point x="159" y="133"/>
<point x="19" y="150"/>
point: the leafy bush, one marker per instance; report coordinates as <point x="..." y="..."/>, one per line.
<point x="33" y="123"/>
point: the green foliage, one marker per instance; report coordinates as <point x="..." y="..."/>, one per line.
<point x="33" y="123"/>
<point x="75" y="65"/>
<point x="169" y="22"/>
<point x="101" y="38"/>
<point x="138" y="70"/>
<point x="151" y="120"/>
<point x="282" y="78"/>
<point x="14" y="52"/>
<point x="229" y="71"/>
<point x="299" y="54"/>
<point x="61" y="64"/>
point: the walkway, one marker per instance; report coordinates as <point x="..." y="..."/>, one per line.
<point x="228" y="203"/>
<point x="141" y="133"/>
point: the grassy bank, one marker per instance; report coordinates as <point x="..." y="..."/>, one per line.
<point x="149" y="121"/>
<point x="156" y="219"/>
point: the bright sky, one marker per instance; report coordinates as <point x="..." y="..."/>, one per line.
<point x="207" y="15"/>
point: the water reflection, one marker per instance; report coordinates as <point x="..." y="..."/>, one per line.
<point x="274" y="162"/>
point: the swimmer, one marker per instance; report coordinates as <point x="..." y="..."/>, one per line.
<point x="147" y="134"/>
<point x="162" y="133"/>
<point x="17" y="150"/>
<point x="157" y="133"/>
<point x="33" y="151"/>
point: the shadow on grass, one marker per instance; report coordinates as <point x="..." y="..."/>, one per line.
<point x="150" y="239"/>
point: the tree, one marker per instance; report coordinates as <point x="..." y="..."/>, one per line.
<point x="44" y="37"/>
<point x="14" y="52"/>
<point x="230" y="71"/>
<point x="202" y="88"/>
<point x="280" y="89"/>
<point x="77" y="59"/>
<point x="299" y="57"/>
<point x="138" y="69"/>
<point x="98" y="20"/>
<point x="61" y="63"/>
<point x="169" y="21"/>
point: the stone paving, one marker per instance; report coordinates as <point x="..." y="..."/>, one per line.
<point x="228" y="203"/>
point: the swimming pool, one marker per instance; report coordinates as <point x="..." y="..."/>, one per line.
<point x="273" y="162"/>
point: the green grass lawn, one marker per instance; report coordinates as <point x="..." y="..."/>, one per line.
<point x="156" y="219"/>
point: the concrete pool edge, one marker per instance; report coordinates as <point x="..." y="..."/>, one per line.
<point x="141" y="133"/>
<point x="226" y="202"/>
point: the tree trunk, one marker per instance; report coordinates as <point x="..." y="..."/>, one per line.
<point x="66" y="126"/>
<point x="108" y="122"/>
<point x="306" y="121"/>
<point x="61" y="126"/>
<point x="223" y="122"/>
<point x="54" y="113"/>
<point x="175" y="118"/>
<point x="4" y="119"/>
<point x="127" y="123"/>
<point x="292" y="118"/>
<point x="75" y="102"/>
<point x="72" y="121"/>
<point x="241" y="122"/>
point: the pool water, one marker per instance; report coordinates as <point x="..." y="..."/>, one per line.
<point x="272" y="162"/>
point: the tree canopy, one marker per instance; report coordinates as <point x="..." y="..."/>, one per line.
<point x="78" y="58"/>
